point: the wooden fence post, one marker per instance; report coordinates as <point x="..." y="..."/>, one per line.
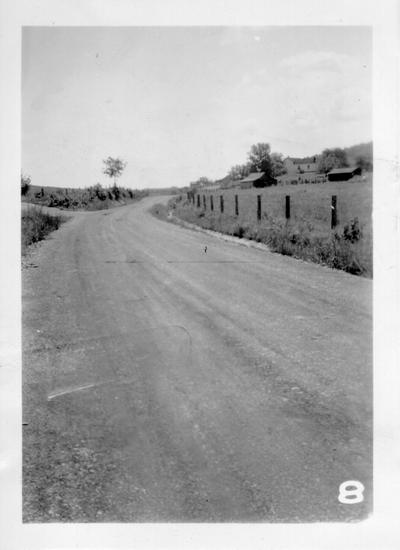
<point x="258" y="207"/>
<point x="334" y="220"/>
<point x="211" y="203"/>
<point x="287" y="207"/>
<point x="221" y="203"/>
<point x="236" y="205"/>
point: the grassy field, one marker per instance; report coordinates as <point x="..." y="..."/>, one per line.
<point x="308" y="233"/>
<point x="309" y="202"/>
<point x="36" y="224"/>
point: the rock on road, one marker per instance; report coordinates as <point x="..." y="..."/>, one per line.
<point x="163" y="383"/>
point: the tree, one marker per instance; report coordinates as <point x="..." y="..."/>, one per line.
<point x="239" y="171"/>
<point x="260" y="158"/>
<point x="114" y="168"/>
<point x="332" y="158"/>
<point x="25" y="184"/>
<point x="278" y="168"/>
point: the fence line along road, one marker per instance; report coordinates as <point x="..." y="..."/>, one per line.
<point x="191" y="198"/>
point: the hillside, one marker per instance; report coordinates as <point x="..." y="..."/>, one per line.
<point x="364" y="150"/>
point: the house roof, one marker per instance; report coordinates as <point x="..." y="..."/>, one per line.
<point x="253" y="176"/>
<point x="348" y="170"/>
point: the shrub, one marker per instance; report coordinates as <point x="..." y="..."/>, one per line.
<point x="239" y="231"/>
<point x="99" y="192"/>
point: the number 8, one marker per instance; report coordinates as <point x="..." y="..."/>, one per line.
<point x="351" y="492"/>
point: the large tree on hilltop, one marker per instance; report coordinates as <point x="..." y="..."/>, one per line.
<point x="260" y="158"/>
<point x="113" y="167"/>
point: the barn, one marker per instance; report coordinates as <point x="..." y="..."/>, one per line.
<point x="257" y="179"/>
<point x="343" y="174"/>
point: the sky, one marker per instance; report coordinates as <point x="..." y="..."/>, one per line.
<point x="178" y="103"/>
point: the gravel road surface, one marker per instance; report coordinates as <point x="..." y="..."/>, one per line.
<point x="166" y="383"/>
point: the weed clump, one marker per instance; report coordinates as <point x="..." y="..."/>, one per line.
<point x="36" y="225"/>
<point x="352" y="231"/>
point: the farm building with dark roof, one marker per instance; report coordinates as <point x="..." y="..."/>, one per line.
<point x="343" y="174"/>
<point x="257" y="179"/>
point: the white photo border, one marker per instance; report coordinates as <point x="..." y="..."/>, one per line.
<point x="381" y="530"/>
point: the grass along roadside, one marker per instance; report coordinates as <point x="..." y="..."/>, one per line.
<point x="36" y="225"/>
<point x="347" y="248"/>
<point x="90" y="198"/>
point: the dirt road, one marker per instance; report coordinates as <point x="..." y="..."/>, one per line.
<point x="166" y="383"/>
